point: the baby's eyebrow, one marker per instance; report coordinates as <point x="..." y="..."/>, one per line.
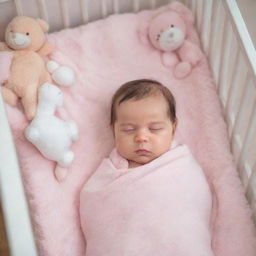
<point x="160" y="122"/>
<point x="126" y="124"/>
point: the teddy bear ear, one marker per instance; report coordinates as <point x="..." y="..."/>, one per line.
<point x="43" y="25"/>
<point x="183" y="11"/>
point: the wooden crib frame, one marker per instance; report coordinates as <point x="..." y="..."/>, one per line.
<point x="232" y="58"/>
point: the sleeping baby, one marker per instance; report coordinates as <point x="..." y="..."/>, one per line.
<point x="150" y="197"/>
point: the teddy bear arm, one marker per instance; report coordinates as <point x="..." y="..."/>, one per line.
<point x="4" y="47"/>
<point x="169" y="59"/>
<point x="9" y="96"/>
<point x="46" y="49"/>
<point x="190" y="52"/>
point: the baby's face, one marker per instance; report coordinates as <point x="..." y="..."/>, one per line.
<point x="143" y="130"/>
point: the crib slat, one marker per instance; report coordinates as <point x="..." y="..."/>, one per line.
<point x="43" y="10"/>
<point x="136" y="5"/>
<point x="116" y="6"/>
<point x="232" y="72"/>
<point x="193" y="7"/>
<point x="199" y="14"/>
<point x="236" y="136"/>
<point x="215" y="41"/>
<point x="152" y="4"/>
<point x="187" y="3"/>
<point x="84" y="9"/>
<point x="206" y="21"/>
<point x="251" y="187"/>
<point x="65" y="13"/>
<point x="238" y="79"/>
<point x="213" y="36"/>
<point x="18" y="7"/>
<point x="223" y="61"/>
<point x="104" y="8"/>
<point x="250" y="133"/>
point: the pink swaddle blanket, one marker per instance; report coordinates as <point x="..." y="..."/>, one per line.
<point x="161" y="208"/>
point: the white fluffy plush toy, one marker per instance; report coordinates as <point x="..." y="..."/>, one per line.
<point x="61" y="75"/>
<point x="51" y="135"/>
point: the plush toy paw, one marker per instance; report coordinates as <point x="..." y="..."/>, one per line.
<point x="61" y="173"/>
<point x="66" y="159"/>
<point x="72" y="126"/>
<point x="182" y="70"/>
<point x="60" y="74"/>
<point x="32" y="134"/>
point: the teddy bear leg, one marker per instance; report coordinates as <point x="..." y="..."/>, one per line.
<point x="182" y="70"/>
<point x="73" y="130"/>
<point x="29" y="102"/>
<point x="9" y="96"/>
<point x="45" y="78"/>
<point x="66" y="159"/>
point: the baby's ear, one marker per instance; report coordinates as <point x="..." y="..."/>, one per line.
<point x="175" y="123"/>
<point x="112" y="128"/>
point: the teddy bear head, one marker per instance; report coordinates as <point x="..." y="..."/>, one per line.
<point x="167" y="27"/>
<point x="167" y="31"/>
<point x="25" y="33"/>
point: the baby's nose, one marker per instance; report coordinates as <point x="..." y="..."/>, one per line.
<point x="141" y="137"/>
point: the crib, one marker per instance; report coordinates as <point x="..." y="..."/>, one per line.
<point x="232" y="57"/>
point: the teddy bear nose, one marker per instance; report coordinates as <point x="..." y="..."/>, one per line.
<point x="171" y="34"/>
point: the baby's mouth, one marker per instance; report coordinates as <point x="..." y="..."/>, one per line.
<point x="142" y="152"/>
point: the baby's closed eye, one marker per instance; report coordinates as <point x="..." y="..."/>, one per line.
<point x="156" y="128"/>
<point x="127" y="128"/>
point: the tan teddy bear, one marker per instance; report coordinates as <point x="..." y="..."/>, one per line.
<point x="25" y="37"/>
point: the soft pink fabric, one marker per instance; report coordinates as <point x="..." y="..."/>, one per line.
<point x="5" y="64"/>
<point x="103" y="55"/>
<point x="160" y="208"/>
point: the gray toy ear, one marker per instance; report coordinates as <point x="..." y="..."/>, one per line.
<point x="183" y="11"/>
<point x="43" y="24"/>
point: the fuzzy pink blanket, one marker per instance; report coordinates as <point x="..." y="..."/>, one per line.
<point x="160" y="208"/>
<point x="104" y="54"/>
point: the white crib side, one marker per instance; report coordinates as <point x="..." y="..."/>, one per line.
<point x="232" y="58"/>
<point x="12" y="197"/>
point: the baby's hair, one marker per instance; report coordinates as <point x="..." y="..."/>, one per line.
<point x="142" y="88"/>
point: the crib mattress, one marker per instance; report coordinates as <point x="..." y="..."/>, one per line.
<point x="105" y="54"/>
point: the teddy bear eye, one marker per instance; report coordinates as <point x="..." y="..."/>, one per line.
<point x="172" y="26"/>
<point x="158" y="36"/>
<point x="27" y="34"/>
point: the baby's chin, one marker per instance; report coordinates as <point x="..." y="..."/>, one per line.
<point x="139" y="161"/>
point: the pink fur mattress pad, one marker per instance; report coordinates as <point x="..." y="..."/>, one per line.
<point x="105" y="54"/>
